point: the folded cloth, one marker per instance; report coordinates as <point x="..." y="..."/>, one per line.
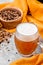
<point x="36" y="10"/>
<point x="34" y="60"/>
<point x="28" y="5"/>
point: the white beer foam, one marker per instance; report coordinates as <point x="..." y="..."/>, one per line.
<point x="27" y="32"/>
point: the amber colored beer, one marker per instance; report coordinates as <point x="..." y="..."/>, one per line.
<point x="26" y="43"/>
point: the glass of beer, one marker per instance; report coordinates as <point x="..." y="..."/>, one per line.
<point x="26" y="38"/>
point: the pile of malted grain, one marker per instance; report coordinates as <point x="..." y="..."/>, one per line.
<point x="4" y="35"/>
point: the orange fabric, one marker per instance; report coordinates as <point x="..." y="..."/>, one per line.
<point x="3" y="5"/>
<point x="35" y="9"/>
<point x="34" y="60"/>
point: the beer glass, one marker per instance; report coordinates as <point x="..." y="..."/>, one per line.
<point x="26" y="38"/>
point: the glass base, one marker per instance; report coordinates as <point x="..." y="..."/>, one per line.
<point x="37" y="51"/>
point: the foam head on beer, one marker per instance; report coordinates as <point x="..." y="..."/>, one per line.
<point x="27" y="32"/>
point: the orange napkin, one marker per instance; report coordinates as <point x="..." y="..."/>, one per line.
<point x="35" y="10"/>
<point x="34" y="60"/>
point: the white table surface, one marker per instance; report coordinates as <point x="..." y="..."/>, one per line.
<point x="8" y="52"/>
